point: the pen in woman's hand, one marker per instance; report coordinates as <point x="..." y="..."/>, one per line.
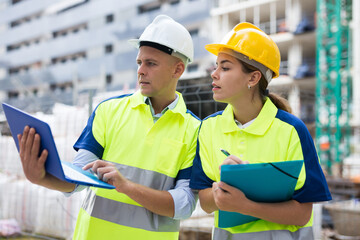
<point x="225" y="152"/>
<point x="233" y="160"/>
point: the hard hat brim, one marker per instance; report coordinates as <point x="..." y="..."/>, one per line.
<point x="134" y="42"/>
<point x="215" y="48"/>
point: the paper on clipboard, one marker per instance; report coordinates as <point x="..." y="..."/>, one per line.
<point x="260" y="182"/>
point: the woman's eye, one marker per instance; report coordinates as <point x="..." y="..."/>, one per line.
<point x="225" y="69"/>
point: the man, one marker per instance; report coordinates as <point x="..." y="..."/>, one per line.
<point x="146" y="142"/>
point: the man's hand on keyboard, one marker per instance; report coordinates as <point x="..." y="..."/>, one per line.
<point x="107" y="172"/>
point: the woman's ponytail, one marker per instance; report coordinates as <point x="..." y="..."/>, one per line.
<point x="280" y="102"/>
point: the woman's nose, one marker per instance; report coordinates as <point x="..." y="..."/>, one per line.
<point x="214" y="74"/>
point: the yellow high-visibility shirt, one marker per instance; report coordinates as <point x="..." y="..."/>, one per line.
<point x="274" y="135"/>
<point x="121" y="130"/>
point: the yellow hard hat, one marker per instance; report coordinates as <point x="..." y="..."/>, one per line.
<point x="252" y="42"/>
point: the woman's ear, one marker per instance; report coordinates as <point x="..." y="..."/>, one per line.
<point x="255" y="78"/>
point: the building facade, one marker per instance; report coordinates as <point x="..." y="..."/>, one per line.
<point x="58" y="50"/>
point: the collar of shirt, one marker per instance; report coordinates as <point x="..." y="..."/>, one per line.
<point x="171" y="106"/>
<point x="136" y="100"/>
<point x="260" y="125"/>
<point x="242" y="126"/>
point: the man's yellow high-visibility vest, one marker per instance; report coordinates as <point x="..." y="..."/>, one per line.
<point x="122" y="131"/>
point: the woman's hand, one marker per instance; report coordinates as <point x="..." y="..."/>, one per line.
<point x="228" y="198"/>
<point x="232" y="160"/>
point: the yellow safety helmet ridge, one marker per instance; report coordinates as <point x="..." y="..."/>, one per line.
<point x="252" y="42"/>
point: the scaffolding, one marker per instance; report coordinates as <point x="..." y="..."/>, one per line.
<point x="198" y="96"/>
<point x="333" y="81"/>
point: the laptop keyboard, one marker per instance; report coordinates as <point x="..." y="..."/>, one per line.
<point x="75" y="175"/>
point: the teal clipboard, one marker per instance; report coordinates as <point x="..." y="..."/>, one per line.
<point x="260" y="182"/>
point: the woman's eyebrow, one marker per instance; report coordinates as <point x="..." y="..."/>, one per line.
<point x="225" y="61"/>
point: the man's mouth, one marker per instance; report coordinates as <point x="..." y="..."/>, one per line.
<point x="143" y="83"/>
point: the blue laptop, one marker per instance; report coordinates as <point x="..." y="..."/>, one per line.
<point x="63" y="170"/>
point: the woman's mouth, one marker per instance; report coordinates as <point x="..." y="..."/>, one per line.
<point x="215" y="87"/>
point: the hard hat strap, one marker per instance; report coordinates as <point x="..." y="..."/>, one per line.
<point x="182" y="57"/>
<point x="165" y="49"/>
<point x="157" y="46"/>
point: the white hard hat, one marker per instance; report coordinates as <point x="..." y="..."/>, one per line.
<point x="166" y="32"/>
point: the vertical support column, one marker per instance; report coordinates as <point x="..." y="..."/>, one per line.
<point x="295" y="15"/>
<point x="257" y="15"/>
<point x="294" y="58"/>
<point x="225" y="25"/>
<point x="273" y="23"/>
<point x="294" y="100"/>
<point x="215" y="29"/>
<point x="288" y="15"/>
<point x="356" y="63"/>
<point x="242" y="15"/>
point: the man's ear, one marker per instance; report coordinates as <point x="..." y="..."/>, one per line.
<point x="255" y="78"/>
<point x="179" y="69"/>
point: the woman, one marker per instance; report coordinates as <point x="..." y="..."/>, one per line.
<point x="255" y="127"/>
